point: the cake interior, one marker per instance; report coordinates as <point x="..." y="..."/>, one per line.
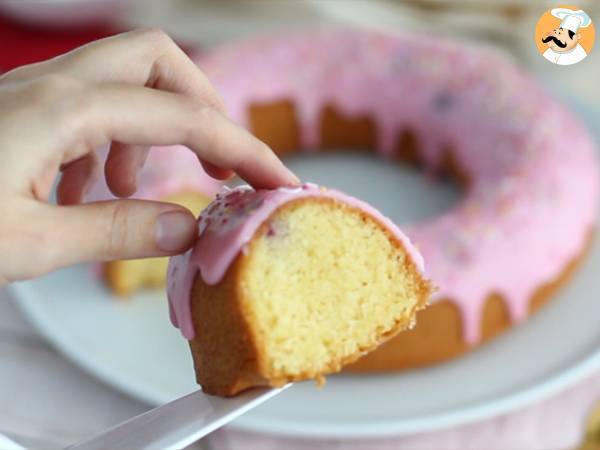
<point x="126" y="276"/>
<point x="323" y="283"/>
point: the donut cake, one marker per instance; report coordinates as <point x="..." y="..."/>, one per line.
<point x="289" y="284"/>
<point x="527" y="168"/>
<point x="171" y="174"/>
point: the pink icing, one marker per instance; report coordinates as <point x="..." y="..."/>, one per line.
<point x="230" y="222"/>
<point x="533" y="168"/>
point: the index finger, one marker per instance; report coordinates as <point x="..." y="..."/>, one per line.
<point x="142" y="116"/>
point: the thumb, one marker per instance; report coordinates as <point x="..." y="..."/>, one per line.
<point x="120" y="229"/>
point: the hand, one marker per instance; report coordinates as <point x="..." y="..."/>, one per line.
<point x="132" y="91"/>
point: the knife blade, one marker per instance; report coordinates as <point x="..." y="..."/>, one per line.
<point x="178" y="423"/>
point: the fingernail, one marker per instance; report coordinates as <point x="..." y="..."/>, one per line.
<point x="174" y="231"/>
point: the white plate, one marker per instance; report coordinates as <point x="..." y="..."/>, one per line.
<point x="132" y="345"/>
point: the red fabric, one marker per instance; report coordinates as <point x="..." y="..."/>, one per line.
<point x="21" y="44"/>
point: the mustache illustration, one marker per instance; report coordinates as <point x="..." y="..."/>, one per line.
<point x="556" y="41"/>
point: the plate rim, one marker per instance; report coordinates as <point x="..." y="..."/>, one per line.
<point x="560" y="379"/>
<point x="473" y="413"/>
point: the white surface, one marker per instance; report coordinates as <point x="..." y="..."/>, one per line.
<point x="46" y="401"/>
<point x="132" y="345"/>
<point x="8" y="444"/>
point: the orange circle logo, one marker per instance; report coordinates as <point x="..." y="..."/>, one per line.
<point x="565" y="35"/>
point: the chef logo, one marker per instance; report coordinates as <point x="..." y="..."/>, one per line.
<point x="565" y="35"/>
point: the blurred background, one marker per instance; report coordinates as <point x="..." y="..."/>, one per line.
<point x="504" y="24"/>
<point x="45" y="401"/>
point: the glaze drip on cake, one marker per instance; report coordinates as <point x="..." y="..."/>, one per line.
<point x="532" y="169"/>
<point x="230" y="222"/>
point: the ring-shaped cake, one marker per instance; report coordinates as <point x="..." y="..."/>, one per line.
<point x="528" y="167"/>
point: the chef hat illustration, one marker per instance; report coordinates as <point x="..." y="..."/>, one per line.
<point x="572" y="20"/>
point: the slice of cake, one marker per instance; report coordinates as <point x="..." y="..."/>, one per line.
<point x="290" y="284"/>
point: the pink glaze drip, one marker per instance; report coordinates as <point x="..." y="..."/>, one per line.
<point x="533" y="168"/>
<point x="230" y="222"/>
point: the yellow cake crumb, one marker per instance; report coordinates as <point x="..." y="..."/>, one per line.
<point x="323" y="287"/>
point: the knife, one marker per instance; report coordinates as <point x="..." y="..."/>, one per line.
<point x="178" y="423"/>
